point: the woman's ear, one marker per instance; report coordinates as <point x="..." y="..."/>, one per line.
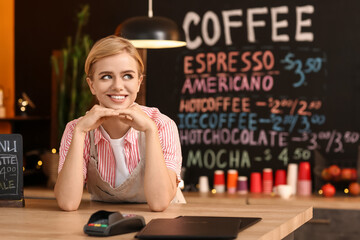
<point x="140" y="81"/>
<point x="90" y="83"/>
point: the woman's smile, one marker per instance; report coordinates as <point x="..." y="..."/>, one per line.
<point x="117" y="98"/>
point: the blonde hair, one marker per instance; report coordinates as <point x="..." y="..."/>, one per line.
<point x="109" y="46"/>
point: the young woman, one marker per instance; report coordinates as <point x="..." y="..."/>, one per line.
<point x="124" y="152"/>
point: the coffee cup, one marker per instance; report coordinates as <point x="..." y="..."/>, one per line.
<point x="285" y="191"/>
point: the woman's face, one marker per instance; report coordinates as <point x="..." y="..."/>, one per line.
<point x="115" y="81"/>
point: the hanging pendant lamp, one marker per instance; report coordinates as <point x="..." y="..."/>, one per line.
<point x="151" y="32"/>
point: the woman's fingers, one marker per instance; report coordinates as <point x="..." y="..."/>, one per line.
<point x="129" y="113"/>
<point x="125" y="117"/>
<point x="94" y="117"/>
<point x="100" y="111"/>
<point x="135" y="117"/>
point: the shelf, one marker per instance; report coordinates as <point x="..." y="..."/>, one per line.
<point x="24" y="118"/>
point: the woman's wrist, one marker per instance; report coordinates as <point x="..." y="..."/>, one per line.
<point x="79" y="132"/>
<point x="152" y="128"/>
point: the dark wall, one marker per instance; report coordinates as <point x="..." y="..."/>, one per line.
<point x="41" y="26"/>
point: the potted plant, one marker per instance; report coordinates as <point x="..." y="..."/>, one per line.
<point x="71" y="96"/>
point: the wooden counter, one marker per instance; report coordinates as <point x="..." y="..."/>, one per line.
<point x="333" y="218"/>
<point x="41" y="218"/>
<point x="338" y="202"/>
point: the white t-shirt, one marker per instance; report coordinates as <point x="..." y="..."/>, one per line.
<point x="117" y="145"/>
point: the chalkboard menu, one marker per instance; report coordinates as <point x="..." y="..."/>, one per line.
<point x="11" y="170"/>
<point x="261" y="84"/>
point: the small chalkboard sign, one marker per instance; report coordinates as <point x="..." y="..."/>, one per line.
<point x="11" y="171"/>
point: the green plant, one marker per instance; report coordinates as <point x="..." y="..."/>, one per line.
<point x="74" y="96"/>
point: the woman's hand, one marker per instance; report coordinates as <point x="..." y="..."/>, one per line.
<point x="136" y="118"/>
<point x="94" y="118"/>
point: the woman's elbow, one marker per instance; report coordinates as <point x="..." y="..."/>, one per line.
<point x="158" y="206"/>
<point x="66" y="201"/>
<point x="68" y="205"/>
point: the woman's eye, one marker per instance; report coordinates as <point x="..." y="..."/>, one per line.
<point x="105" y="77"/>
<point x="128" y="76"/>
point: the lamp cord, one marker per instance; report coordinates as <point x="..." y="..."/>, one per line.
<point x="150" y="12"/>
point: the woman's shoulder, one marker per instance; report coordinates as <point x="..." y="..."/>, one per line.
<point x="155" y="114"/>
<point x="72" y="124"/>
<point x="68" y="134"/>
<point x="69" y="128"/>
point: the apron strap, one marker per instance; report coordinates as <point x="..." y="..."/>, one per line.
<point x="93" y="149"/>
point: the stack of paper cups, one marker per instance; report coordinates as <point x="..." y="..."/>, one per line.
<point x="242" y="185"/>
<point x="280" y="177"/>
<point x="255" y="182"/>
<point x="267" y="180"/>
<point x="232" y="176"/>
<point x="292" y="174"/>
<point x="304" y="179"/>
<point x="203" y="184"/>
<point x="219" y="181"/>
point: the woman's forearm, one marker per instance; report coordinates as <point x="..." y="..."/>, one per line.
<point x="70" y="182"/>
<point x="159" y="182"/>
